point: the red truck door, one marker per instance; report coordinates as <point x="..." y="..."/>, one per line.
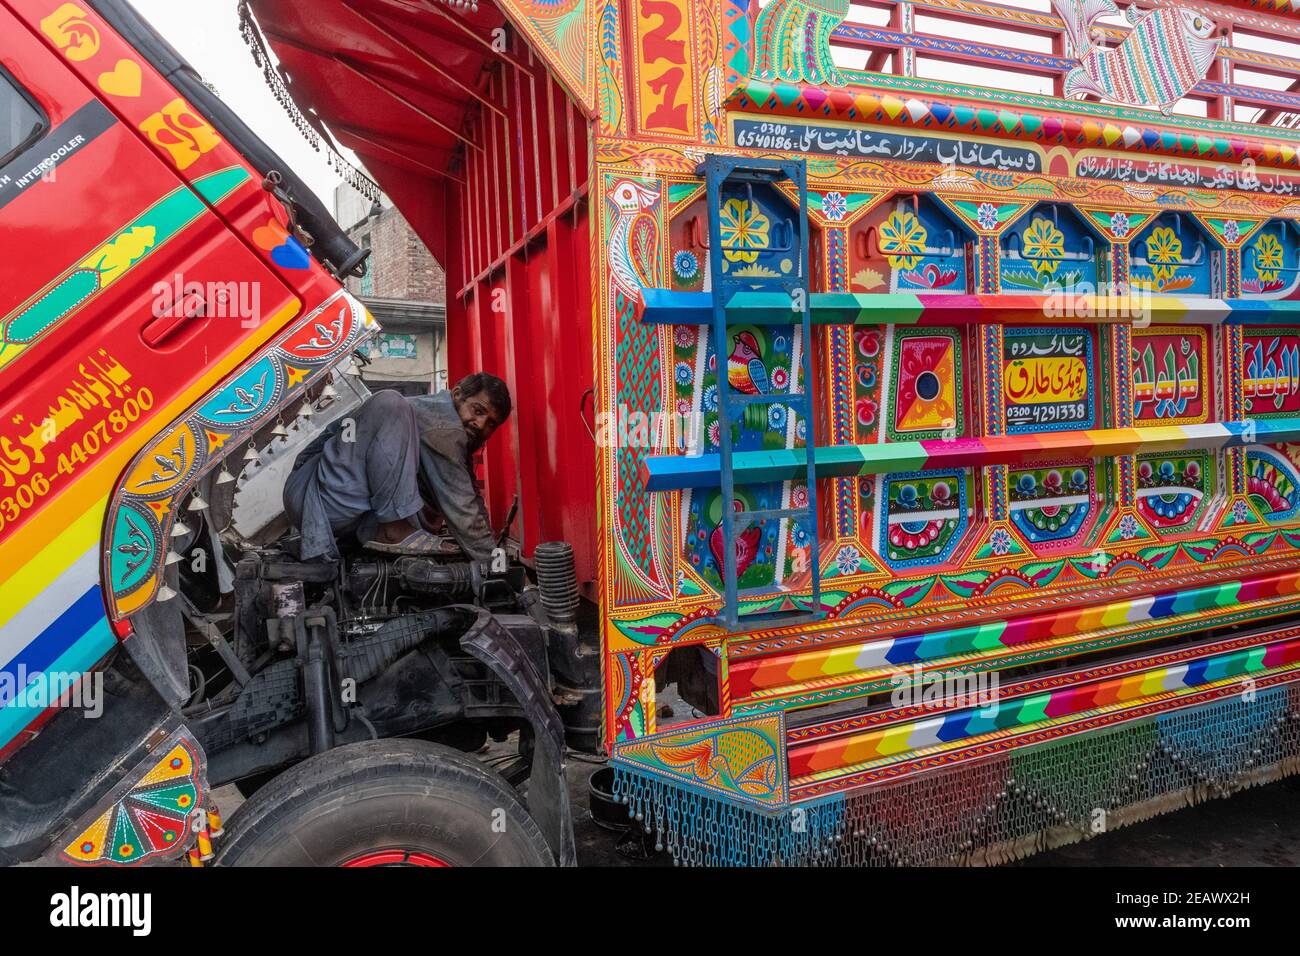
<point x="124" y="295"/>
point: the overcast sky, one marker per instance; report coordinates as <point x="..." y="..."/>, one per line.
<point x="206" y="32"/>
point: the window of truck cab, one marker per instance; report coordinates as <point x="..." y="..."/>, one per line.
<point x="22" y="121"/>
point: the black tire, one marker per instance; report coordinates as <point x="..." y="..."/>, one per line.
<point x="357" y="801"/>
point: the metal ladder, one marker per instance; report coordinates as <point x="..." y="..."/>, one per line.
<point x="720" y="172"/>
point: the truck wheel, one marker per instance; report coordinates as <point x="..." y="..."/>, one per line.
<point x="384" y="802"/>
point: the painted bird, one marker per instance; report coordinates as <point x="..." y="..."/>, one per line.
<point x="746" y="372"/>
<point x="1168" y="51"/>
<point x="746" y="545"/>
<point x="632" y="223"/>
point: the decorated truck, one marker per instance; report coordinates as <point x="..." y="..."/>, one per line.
<point x="903" y="464"/>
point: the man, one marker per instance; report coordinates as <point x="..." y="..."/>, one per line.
<point x="375" y="473"/>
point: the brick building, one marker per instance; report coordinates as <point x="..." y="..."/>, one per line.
<point x="405" y="290"/>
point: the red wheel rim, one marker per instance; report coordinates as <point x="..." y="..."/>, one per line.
<point x="396" y="858"/>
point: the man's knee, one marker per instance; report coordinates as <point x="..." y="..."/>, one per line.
<point x="387" y="401"/>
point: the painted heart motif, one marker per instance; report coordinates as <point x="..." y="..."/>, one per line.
<point x="286" y="251"/>
<point x="125" y="79"/>
<point x="291" y="255"/>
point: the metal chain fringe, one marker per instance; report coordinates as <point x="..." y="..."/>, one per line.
<point x="349" y="173"/>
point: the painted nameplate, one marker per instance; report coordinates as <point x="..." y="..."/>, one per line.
<point x="1047" y="379"/>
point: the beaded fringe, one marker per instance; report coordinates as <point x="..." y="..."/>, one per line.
<point x="994" y="810"/>
<point x="354" y="177"/>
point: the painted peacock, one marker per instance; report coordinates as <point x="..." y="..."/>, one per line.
<point x="794" y="40"/>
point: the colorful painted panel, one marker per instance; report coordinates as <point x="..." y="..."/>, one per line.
<point x="1173" y="254"/>
<point x="148" y="818"/>
<point x="763" y="359"/>
<point x="908" y="246"/>
<point x="1273" y="484"/>
<point x="1170" y="376"/>
<point x="1053" y="504"/>
<point x="1047" y="379"/>
<point x="1171" y="488"/>
<point x="927" y="399"/>
<point x="741" y="759"/>
<point x="664" y="67"/>
<point x="1049" y="249"/>
<point x="1270" y="262"/>
<point x="1271" y="379"/>
<point x="925" y="514"/>
<point x="758" y="236"/>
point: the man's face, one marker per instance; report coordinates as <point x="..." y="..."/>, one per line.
<point x="479" y="416"/>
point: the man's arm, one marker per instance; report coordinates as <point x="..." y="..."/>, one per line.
<point x="460" y="504"/>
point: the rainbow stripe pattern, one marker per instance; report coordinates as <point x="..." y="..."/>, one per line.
<point x="836" y="756"/>
<point x="752" y="676"/>
<point x="672" y="472"/>
<point x="671" y="307"/>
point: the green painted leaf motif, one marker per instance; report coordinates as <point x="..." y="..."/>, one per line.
<point x="1043" y="572"/>
<point x="1089" y="568"/>
<point x="909" y="592"/>
<point x="1262" y="540"/>
<point x="1159" y="555"/>
<point x="964" y="584"/>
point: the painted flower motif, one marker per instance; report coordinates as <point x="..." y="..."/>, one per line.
<point x="1231" y="231"/>
<point x="685" y="265"/>
<point x="847" y="559"/>
<point x="744" y="230"/>
<point x="711" y="398"/>
<point x="1128" y="527"/>
<point x="799" y="534"/>
<point x="866" y="410"/>
<point x="684" y="373"/>
<point x="683" y="408"/>
<point x="799" y="497"/>
<point x="715" y="433"/>
<point x="1164" y="249"/>
<point x="834" y="206"/>
<point x="1268" y="257"/>
<point x="868" y="342"/>
<point x="1044" y="246"/>
<point x="1000" y="541"/>
<point x="778" y="343"/>
<point x="684" y="336"/>
<point x="1240" y="512"/>
<point x="801" y="429"/>
<point x="1191" y="472"/>
<point x="713" y="363"/>
<point x="902" y="239"/>
<point x="779" y="377"/>
<point x="987" y="214"/>
<point x="866" y="375"/>
<point x="776" y="417"/>
<point x="1119" y="224"/>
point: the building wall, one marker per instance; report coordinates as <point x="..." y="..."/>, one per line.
<point x="401" y="273"/>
